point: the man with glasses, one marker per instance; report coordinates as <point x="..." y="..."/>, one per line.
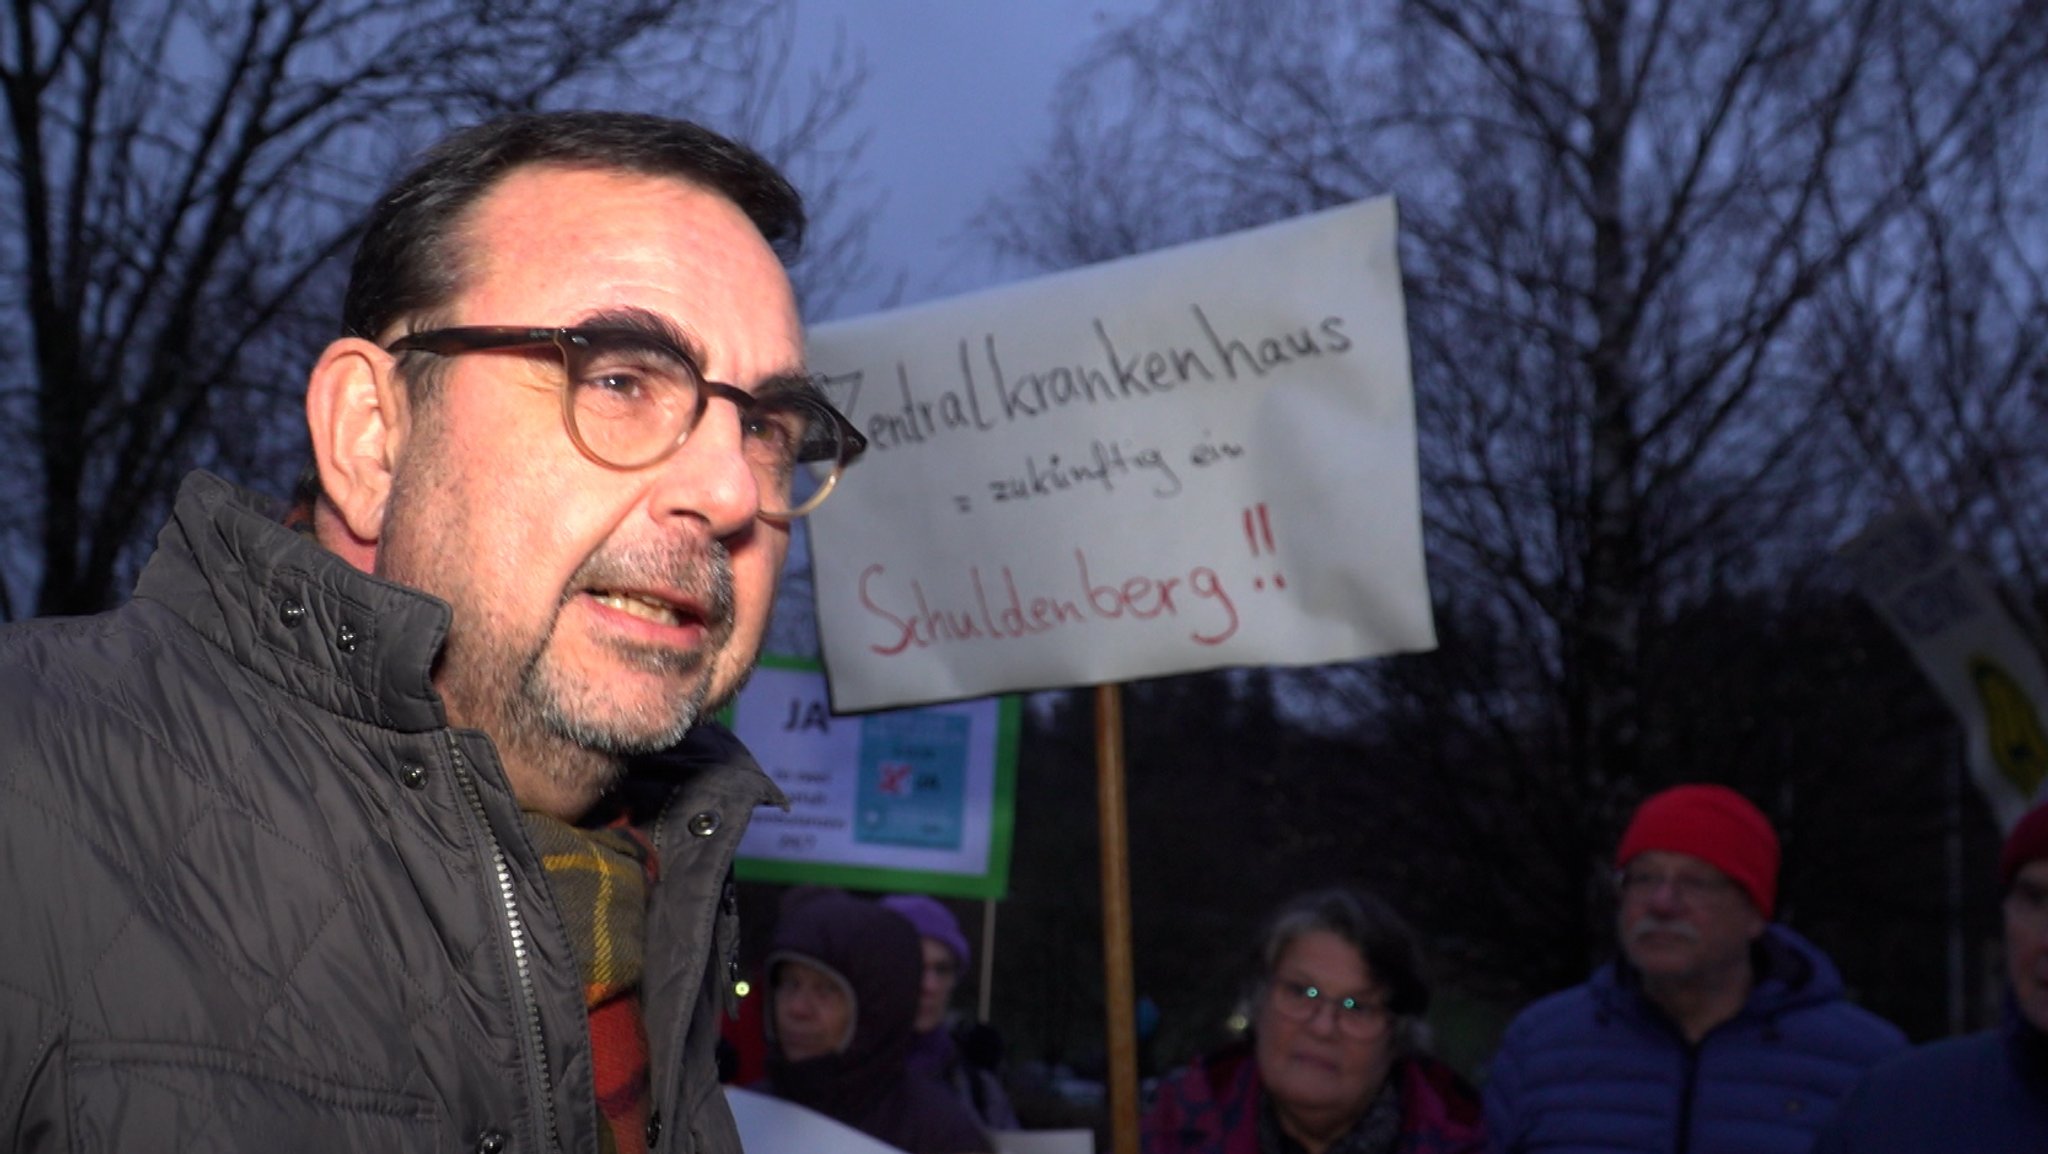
<point x="1988" y="1092"/>
<point x="1717" y="1031"/>
<point x="402" y="829"/>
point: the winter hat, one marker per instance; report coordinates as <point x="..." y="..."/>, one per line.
<point x="2027" y="843"/>
<point x="1716" y="825"/>
<point x="932" y="920"/>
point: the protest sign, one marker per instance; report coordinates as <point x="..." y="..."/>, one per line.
<point x="910" y="800"/>
<point x="1968" y="646"/>
<point x="1198" y="458"/>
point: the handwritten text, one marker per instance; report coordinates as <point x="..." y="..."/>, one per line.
<point x="998" y="610"/>
<point x="991" y="393"/>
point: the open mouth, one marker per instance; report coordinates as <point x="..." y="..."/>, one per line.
<point x="639" y="605"/>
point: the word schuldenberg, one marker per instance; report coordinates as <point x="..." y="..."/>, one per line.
<point x="988" y="397"/>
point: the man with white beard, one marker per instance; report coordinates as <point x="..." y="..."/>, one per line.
<point x="1717" y="1030"/>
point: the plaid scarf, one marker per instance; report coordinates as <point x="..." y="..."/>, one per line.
<point x="600" y="879"/>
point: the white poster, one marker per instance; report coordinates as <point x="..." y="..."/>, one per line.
<point x="769" y="1125"/>
<point x="1968" y="646"/>
<point x="1193" y="459"/>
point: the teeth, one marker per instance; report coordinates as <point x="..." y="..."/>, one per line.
<point x="645" y="608"/>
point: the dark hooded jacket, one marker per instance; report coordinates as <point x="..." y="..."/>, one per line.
<point x="256" y="894"/>
<point x="875" y="955"/>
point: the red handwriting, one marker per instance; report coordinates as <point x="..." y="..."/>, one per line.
<point x="1000" y="611"/>
<point x="1258" y="526"/>
<point x="895" y="778"/>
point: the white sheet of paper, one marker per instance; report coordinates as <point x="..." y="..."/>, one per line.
<point x="1043" y="1141"/>
<point x="1197" y="458"/>
<point x="769" y="1125"/>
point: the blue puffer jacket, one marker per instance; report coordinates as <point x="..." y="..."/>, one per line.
<point x="1599" y="1069"/>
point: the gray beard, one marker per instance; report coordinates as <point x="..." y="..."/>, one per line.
<point x="551" y="726"/>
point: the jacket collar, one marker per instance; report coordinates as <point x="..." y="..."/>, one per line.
<point x="1786" y="972"/>
<point x="356" y="645"/>
<point x="295" y="614"/>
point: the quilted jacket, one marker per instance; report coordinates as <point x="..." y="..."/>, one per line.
<point x="1598" y="1069"/>
<point x="258" y="896"/>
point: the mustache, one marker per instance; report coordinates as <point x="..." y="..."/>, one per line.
<point x="702" y="573"/>
<point x="1649" y="924"/>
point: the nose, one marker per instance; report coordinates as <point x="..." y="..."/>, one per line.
<point x="796" y="1002"/>
<point x="1322" y="1017"/>
<point x="707" y="478"/>
<point x="1666" y="895"/>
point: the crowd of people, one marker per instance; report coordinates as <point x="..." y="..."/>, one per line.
<point x="1715" y="1029"/>
<point x="388" y="818"/>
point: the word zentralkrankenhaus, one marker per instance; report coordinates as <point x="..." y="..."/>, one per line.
<point x="986" y="401"/>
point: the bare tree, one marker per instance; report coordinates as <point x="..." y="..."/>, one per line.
<point x="181" y="178"/>
<point x="1935" y="346"/>
<point x="1622" y="220"/>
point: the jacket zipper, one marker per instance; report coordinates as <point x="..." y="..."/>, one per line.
<point x="541" y="1085"/>
<point x="1690" y="1067"/>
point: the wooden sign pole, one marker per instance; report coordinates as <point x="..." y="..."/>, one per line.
<point x="1118" y="980"/>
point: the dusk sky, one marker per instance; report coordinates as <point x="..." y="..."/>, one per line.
<point x="958" y="99"/>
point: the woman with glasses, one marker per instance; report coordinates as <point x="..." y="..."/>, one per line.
<point x="1333" y="1063"/>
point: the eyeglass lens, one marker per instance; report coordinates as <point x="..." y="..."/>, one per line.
<point x="1355" y="1016"/>
<point x="630" y="401"/>
<point x="1690" y="887"/>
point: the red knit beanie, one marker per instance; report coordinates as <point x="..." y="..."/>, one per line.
<point x="2028" y="842"/>
<point x="1716" y="825"/>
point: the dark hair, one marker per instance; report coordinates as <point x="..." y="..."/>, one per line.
<point x="409" y="262"/>
<point x="1370" y="926"/>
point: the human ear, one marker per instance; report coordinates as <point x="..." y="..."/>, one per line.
<point x="356" y="412"/>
